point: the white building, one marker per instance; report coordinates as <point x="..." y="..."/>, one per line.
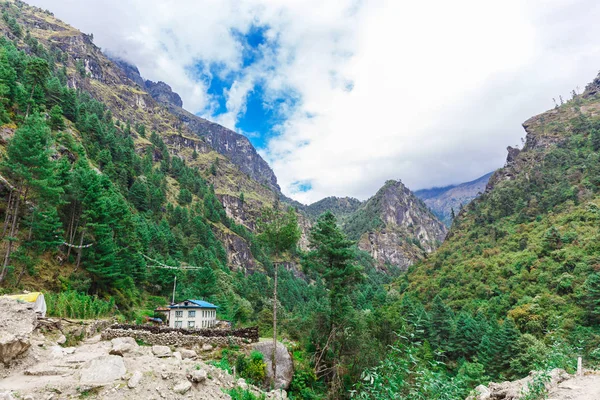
<point x="192" y="314"/>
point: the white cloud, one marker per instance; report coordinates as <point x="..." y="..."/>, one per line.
<point x="438" y="89"/>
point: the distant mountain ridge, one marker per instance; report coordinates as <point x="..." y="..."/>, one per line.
<point x="442" y="200"/>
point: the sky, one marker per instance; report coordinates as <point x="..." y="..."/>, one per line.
<point x="341" y="95"/>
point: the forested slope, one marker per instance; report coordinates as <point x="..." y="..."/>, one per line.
<point x="516" y="285"/>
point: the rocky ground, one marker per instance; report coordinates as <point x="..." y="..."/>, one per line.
<point x="585" y="387"/>
<point x="120" y="368"/>
<point x="561" y="386"/>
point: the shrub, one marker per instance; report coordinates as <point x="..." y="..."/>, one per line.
<point x="71" y="304"/>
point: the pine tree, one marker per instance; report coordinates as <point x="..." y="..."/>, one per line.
<point x="30" y="168"/>
<point x="56" y="118"/>
<point x="332" y="258"/>
<point x="442" y="325"/>
<point x="37" y="71"/>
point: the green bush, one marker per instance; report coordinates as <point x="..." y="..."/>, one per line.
<point x="71" y="304"/>
<point x="240" y="394"/>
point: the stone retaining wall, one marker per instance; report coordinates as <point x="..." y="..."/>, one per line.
<point x="173" y="338"/>
<point x="251" y="333"/>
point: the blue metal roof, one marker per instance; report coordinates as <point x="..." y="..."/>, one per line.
<point x="196" y="303"/>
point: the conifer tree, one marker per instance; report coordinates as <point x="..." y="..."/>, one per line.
<point x="332" y="256"/>
<point x="30" y="168"/>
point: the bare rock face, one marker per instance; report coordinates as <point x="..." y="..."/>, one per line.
<point x="16" y="325"/>
<point x="285" y="365"/>
<point x="163" y="93"/>
<point x="102" y="370"/>
<point x="396" y="227"/>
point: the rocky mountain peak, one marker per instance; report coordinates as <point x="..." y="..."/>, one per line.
<point x="163" y="93"/>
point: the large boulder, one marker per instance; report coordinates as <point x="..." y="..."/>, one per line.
<point x="102" y="370"/>
<point x="17" y="323"/>
<point x="285" y="366"/>
<point x="122" y="345"/>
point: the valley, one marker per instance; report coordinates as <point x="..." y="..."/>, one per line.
<point x="117" y="202"/>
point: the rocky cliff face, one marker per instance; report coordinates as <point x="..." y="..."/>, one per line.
<point x="163" y="93"/>
<point x="445" y="199"/>
<point x="395" y="227"/>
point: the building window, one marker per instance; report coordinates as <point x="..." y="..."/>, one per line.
<point x="178" y="314"/>
<point x="177" y="324"/>
<point x="191" y="324"/>
<point x="191" y="314"/>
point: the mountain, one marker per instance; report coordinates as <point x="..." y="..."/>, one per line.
<point x="526" y="250"/>
<point x="395" y="227"/>
<point x="442" y="200"/>
<point x="234" y="146"/>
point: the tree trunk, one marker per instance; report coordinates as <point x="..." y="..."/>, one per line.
<point x="29" y="102"/>
<point x="80" y="251"/>
<point x="9" y="205"/>
<point x="12" y="233"/>
<point x="274" y="356"/>
<point x="72" y="229"/>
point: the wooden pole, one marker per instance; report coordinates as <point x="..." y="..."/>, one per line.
<point x="174" y="286"/>
<point x="579" y="366"/>
<point x="274" y="357"/>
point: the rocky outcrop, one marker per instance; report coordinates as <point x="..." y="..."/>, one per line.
<point x="163" y="93"/>
<point x="518" y="389"/>
<point x="285" y="365"/>
<point x="17" y="323"/>
<point x="443" y="200"/>
<point x="395" y="227"/>
<point x="239" y="255"/>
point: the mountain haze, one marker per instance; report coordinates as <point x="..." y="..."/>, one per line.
<point x="442" y="200"/>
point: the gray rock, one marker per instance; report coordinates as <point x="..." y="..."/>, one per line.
<point x="102" y="370"/>
<point x="177" y="355"/>
<point x="16" y="326"/>
<point x="134" y="380"/>
<point x="198" y="376"/>
<point x="277" y="394"/>
<point x="207" y="347"/>
<point x="123" y="345"/>
<point x="285" y="365"/>
<point x="242" y="383"/>
<point x="94" y="339"/>
<point x="182" y="387"/>
<point x="6" y="396"/>
<point x="480" y="393"/>
<point x="185" y="354"/>
<point x="161" y="351"/>
<point x="62" y="339"/>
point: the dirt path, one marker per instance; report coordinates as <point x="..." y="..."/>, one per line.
<point x="579" y="388"/>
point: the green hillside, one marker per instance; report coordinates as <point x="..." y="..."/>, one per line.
<point x="516" y="285"/>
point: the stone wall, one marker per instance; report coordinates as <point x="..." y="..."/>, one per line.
<point x="251" y="333"/>
<point x="174" y="338"/>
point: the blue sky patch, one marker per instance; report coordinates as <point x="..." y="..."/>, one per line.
<point x="262" y="115"/>
<point x="301" y="186"/>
